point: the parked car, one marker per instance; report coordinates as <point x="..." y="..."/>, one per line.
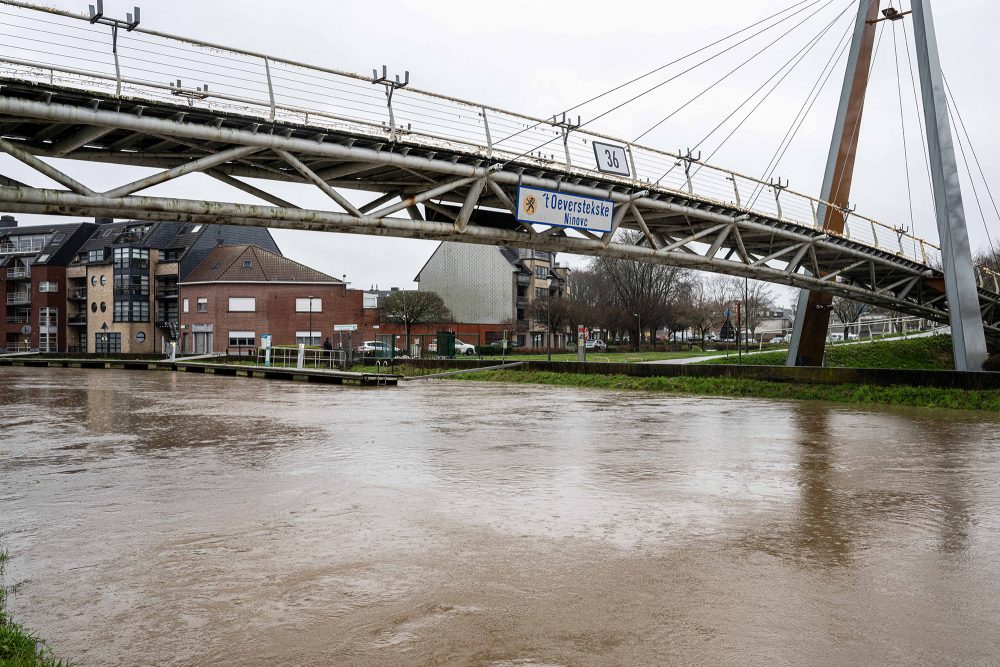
<point x="596" y="344"/>
<point x="373" y="347"/>
<point x="432" y="347"/>
<point x="464" y="348"/>
<point x="778" y="340"/>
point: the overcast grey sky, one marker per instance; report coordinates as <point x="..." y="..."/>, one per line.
<point x="542" y="57"/>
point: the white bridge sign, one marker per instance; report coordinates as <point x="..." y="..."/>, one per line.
<point x="560" y="209"/>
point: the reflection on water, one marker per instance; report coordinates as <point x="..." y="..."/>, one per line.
<point x="166" y="518"/>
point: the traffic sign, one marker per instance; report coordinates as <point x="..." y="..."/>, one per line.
<point x="560" y="209"/>
<point x="345" y="327"/>
<point x="611" y="159"/>
<point x="26" y="330"/>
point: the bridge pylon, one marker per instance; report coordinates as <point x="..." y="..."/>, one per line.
<point x="812" y="316"/>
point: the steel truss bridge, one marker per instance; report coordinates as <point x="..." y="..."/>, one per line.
<point x="436" y="167"/>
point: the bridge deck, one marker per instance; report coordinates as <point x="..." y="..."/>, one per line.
<point x="465" y="185"/>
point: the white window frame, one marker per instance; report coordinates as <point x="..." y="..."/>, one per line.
<point x="315" y="339"/>
<point x="48" y="286"/>
<point x="244" y="335"/>
<point x="242" y="304"/>
<point x="302" y="304"/>
<point x="187" y="305"/>
<point x="202" y="301"/>
<point x="369" y="300"/>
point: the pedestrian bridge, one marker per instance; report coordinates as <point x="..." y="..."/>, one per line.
<point x="436" y="167"/>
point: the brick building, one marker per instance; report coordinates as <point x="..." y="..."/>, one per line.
<point x="241" y="292"/>
<point x="104" y="286"/>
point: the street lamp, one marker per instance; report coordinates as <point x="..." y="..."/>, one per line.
<point x="548" y="315"/>
<point x="638" y="340"/>
<point x="310" y="318"/>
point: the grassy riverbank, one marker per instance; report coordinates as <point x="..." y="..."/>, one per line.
<point x="922" y="397"/>
<point x="19" y="647"/>
<point x="930" y="353"/>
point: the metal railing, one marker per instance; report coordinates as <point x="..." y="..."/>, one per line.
<point x="60" y="48"/>
<point x="78" y="294"/>
<point x="21" y="247"/>
<point x="77" y="320"/>
<point x="18" y="319"/>
<point x="287" y="357"/>
<point x="18" y="297"/>
<point x="19" y="272"/>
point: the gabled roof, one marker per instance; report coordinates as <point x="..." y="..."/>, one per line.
<point x="252" y="264"/>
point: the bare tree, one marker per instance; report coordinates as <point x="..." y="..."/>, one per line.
<point x="640" y="289"/>
<point x="706" y="305"/>
<point x="409" y="307"/>
<point x="756" y="297"/>
<point x="849" y="312"/>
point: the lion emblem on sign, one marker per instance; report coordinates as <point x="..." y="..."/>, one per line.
<point x="530" y="204"/>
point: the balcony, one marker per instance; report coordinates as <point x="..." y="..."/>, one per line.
<point x="18" y="273"/>
<point x="18" y="319"/>
<point x="166" y="292"/>
<point x="523" y="279"/>
<point x="78" y="294"/>
<point x="22" y="247"/>
<point x="17" y="298"/>
<point x="77" y="321"/>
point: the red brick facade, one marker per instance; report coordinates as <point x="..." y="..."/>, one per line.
<point x="274" y="312"/>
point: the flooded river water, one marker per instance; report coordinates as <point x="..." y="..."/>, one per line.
<point x="163" y="518"/>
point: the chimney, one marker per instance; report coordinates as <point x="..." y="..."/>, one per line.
<point x="7" y="221"/>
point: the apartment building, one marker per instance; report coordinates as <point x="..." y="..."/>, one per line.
<point x="33" y="260"/>
<point x="104" y="287"/>
<point x="491" y="285"/>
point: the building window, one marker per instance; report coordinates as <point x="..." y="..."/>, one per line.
<point x="202" y="305"/>
<point x="42" y="259"/>
<point x="93" y="307"/>
<point x="108" y="343"/>
<point x="370" y="300"/>
<point x="141" y="336"/>
<point x="187" y="305"/>
<point x="104" y="280"/>
<point x="541" y="272"/>
<point x="93" y="280"/>
<point x="242" y="304"/>
<point x="131" y="311"/>
<point x="46" y="286"/>
<point x="304" y="338"/>
<point x="539" y="292"/>
<point x="242" y="338"/>
<point x="247" y="264"/>
<point x="303" y="305"/>
<point x="537" y="340"/>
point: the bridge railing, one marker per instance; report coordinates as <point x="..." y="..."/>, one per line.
<point x="58" y="47"/>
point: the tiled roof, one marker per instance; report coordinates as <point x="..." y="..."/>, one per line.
<point x="249" y="263"/>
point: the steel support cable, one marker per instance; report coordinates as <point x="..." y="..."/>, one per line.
<point x="669" y="64"/>
<point x="729" y="73"/>
<point x="972" y="180"/>
<point x="797" y="58"/>
<point x="807" y="104"/>
<point x="972" y="149"/>
<point x="662" y="83"/>
<point x="857" y="123"/>
<point x="902" y="125"/>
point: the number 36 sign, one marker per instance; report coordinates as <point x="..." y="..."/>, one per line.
<point x="611" y="159"/>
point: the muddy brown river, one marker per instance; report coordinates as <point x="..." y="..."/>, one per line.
<point x="161" y="518"/>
